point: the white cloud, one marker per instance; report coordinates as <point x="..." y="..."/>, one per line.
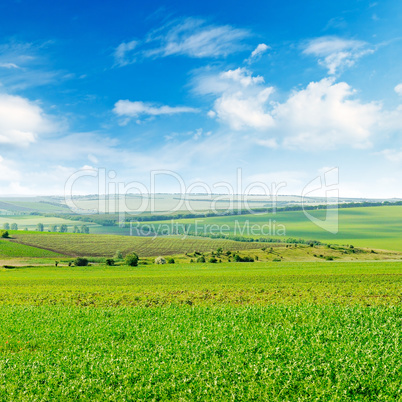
<point x="393" y="155"/>
<point x="9" y="65"/>
<point x="336" y="53"/>
<point x="126" y="108"/>
<point x="21" y="121"/>
<point x="8" y="172"/>
<point x="241" y="98"/>
<point x="123" y="51"/>
<point x="323" y="115"/>
<point x="398" y="89"/>
<point x="258" y="52"/>
<point x="189" y="37"/>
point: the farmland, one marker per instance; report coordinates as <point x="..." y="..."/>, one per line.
<point x="202" y="332"/>
<point x="378" y="227"/>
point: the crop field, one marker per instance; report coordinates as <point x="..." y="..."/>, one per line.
<point x="301" y="331"/>
<point x="287" y="283"/>
<point x="10" y="249"/>
<point x="377" y="227"/>
<point x="106" y="245"/>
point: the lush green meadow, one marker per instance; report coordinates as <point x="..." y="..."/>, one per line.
<point x="375" y="227"/>
<point x="216" y="354"/>
<point x="293" y="331"/>
<point x="286" y="283"/>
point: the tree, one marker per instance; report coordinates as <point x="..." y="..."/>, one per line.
<point x="63" y="229"/>
<point x="6" y="226"/>
<point x="76" y="229"/>
<point x="4" y="234"/>
<point x="14" y="226"/>
<point x="201" y="259"/>
<point x="81" y="262"/>
<point x="39" y="227"/>
<point x="132" y="259"/>
<point x="84" y="229"/>
<point x="53" y="228"/>
<point x="213" y="260"/>
<point x="171" y="261"/>
<point x="110" y="261"/>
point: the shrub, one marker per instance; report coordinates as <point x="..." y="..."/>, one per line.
<point x="110" y="261"/>
<point x="81" y="262"/>
<point x="118" y="255"/>
<point x="329" y="258"/>
<point x="171" y="261"/>
<point x="4" y="234"/>
<point x="276" y="260"/>
<point x="160" y="260"/>
<point x="201" y="259"/>
<point x="132" y="259"/>
<point x="213" y="260"/>
<point x="237" y="258"/>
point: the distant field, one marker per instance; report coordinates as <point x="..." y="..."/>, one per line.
<point x="10" y="249"/>
<point x="376" y="227"/>
<point x="106" y="245"/>
<point x="31" y="221"/>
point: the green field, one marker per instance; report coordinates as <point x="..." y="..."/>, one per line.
<point x="376" y="227"/>
<point x="15" y="250"/>
<point x="106" y="245"/>
<point x="364" y="283"/>
<point x="298" y="331"/>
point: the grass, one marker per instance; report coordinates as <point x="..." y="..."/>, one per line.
<point x="9" y="249"/>
<point x="213" y="332"/>
<point x="235" y="284"/>
<point x="183" y="354"/>
<point x="375" y="227"/>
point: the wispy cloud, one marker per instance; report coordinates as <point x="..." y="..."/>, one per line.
<point x="258" y="52"/>
<point x="335" y="53"/>
<point x="128" y="109"/>
<point x="189" y="37"/>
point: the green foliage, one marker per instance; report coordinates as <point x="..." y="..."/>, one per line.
<point x="4" y="234"/>
<point x="170" y="261"/>
<point x="81" y="262"/>
<point x="84" y="229"/>
<point x="6" y="226"/>
<point x="132" y="259"/>
<point x="14" y="226"/>
<point x="110" y="261"/>
<point x="39" y="227"/>
<point x="201" y="259"/>
<point x="118" y="255"/>
<point x="237" y="258"/>
<point x="63" y="228"/>
<point x="212" y="260"/>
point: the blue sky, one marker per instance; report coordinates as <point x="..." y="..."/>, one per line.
<point x="284" y="90"/>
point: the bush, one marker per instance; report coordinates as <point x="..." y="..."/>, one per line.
<point x="160" y="260"/>
<point x="132" y="259"/>
<point x="213" y="260"/>
<point x="4" y="234"/>
<point x="110" y="261"/>
<point x="81" y="262"/>
<point x="118" y="255"/>
<point x="171" y="261"/>
<point x="237" y="258"/>
<point x="201" y="259"/>
<point x="329" y="258"/>
<point x="276" y="260"/>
